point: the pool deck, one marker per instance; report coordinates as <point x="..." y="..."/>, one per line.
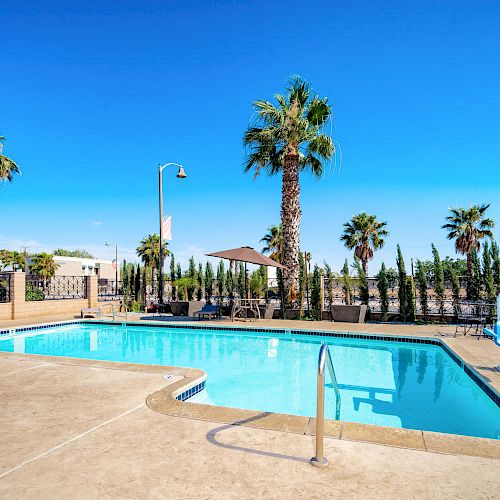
<point x="89" y="429"/>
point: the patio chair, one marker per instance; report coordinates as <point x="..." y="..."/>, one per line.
<point x="209" y="311"/>
<point x="471" y="315"/>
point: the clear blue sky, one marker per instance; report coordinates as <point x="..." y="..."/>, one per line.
<point x="94" y="96"/>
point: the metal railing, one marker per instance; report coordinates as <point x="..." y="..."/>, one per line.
<point x="109" y="289"/>
<point x="319" y="460"/>
<point x="5" y="287"/>
<point x="58" y="287"/>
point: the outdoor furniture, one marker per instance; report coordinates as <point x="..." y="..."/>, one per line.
<point x="208" y="311"/>
<point x="472" y="315"/>
<point x="163" y="309"/>
<point x="241" y="307"/>
<point x="90" y="311"/>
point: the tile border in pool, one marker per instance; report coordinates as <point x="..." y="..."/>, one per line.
<point x="469" y="370"/>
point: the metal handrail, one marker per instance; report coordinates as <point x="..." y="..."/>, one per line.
<point x="324" y="359"/>
<point x="113" y="313"/>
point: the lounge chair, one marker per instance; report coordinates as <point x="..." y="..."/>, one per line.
<point x="94" y="312"/>
<point x="207" y="311"/>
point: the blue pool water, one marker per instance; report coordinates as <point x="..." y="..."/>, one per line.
<point x="413" y="386"/>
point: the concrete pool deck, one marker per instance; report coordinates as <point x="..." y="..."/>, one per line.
<point x="81" y="428"/>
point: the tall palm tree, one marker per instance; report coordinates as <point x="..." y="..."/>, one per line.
<point x="286" y="139"/>
<point x="274" y="242"/>
<point x="7" y="166"/>
<point x="364" y="234"/>
<point x="468" y="226"/>
<point x="44" y="266"/>
<point x="149" y="251"/>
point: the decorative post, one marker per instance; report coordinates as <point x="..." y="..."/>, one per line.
<point x="17" y="293"/>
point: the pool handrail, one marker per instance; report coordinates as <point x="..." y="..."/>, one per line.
<point x="324" y="358"/>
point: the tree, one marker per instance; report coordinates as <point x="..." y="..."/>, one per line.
<point x="257" y="282"/>
<point x="288" y="138"/>
<point x="347" y="283"/>
<point x="173" y="277"/>
<point x="186" y="284"/>
<point x="209" y="280"/>
<point x="273" y="242"/>
<point x="230" y="283"/>
<point x="364" y="293"/>
<point x="422" y="284"/>
<point x="13" y="259"/>
<point x="221" y="278"/>
<point x="329" y="276"/>
<point x="316" y="293"/>
<point x="364" y="234"/>
<point x="455" y="286"/>
<point x="495" y="257"/>
<point x="476" y="281"/>
<point x="468" y="227"/>
<point x="402" y="286"/>
<point x="191" y="273"/>
<point x="201" y="283"/>
<point x="241" y="281"/>
<point x="137" y="284"/>
<point x="489" y="282"/>
<point x="302" y="283"/>
<point x="383" y="291"/>
<point x="410" y="294"/>
<point x="44" y="266"/>
<point x="149" y="252"/>
<point x="7" y="165"/>
<point x="438" y="279"/>
<point x="83" y="254"/>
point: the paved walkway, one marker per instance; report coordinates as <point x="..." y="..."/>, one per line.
<point x="73" y="431"/>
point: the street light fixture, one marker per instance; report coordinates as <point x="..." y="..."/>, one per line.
<point x="180" y="175"/>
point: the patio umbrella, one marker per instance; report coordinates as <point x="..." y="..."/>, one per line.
<point x="246" y="254"/>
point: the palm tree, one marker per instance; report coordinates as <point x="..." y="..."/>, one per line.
<point x="7" y="166"/>
<point x="288" y="138"/>
<point x="149" y="252"/>
<point x="274" y="242"/>
<point x="364" y="234"/>
<point x="44" y="266"/>
<point x="468" y="227"/>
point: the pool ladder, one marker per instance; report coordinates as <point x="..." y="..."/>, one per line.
<point x="324" y="359"/>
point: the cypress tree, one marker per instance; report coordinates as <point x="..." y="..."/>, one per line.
<point x="173" y="277"/>
<point x="230" y="283"/>
<point x="421" y="278"/>
<point x="209" y="280"/>
<point x="495" y="257"/>
<point x="402" y="286"/>
<point x="346" y="283"/>
<point x="489" y="282"/>
<point x="180" y="289"/>
<point x="364" y="294"/>
<point x="281" y="292"/>
<point x="316" y="293"/>
<point x="383" y="291"/>
<point x="410" y="294"/>
<point x="302" y="283"/>
<point x="131" y="284"/>
<point x="438" y="275"/>
<point x="329" y="285"/>
<point x="201" y="283"/>
<point x="455" y="286"/>
<point x="221" y="279"/>
<point x="241" y="281"/>
<point x="137" y="290"/>
<point x="475" y="285"/>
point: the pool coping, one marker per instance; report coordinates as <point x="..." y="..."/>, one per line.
<point x="171" y="399"/>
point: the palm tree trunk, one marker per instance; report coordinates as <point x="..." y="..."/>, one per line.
<point x="364" y="266"/>
<point x="290" y="219"/>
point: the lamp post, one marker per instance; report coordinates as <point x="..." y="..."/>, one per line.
<point x="116" y="262"/>
<point x="180" y="175"/>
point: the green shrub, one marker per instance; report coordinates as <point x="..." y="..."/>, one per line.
<point x="33" y="293"/>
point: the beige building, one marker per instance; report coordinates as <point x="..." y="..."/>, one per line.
<point x="77" y="266"/>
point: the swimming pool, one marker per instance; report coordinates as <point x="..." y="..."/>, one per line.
<point x="389" y="383"/>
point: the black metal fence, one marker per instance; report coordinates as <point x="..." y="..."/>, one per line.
<point x="110" y="290"/>
<point x="56" y="288"/>
<point x="4" y="287"/>
<point x="335" y="293"/>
